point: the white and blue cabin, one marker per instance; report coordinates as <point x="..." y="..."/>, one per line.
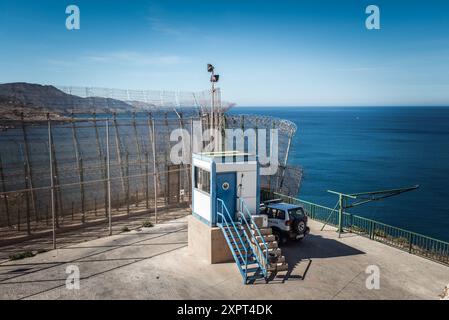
<point x="224" y="176"/>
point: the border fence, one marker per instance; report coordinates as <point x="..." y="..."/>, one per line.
<point x="82" y="170"/>
<point x="86" y="160"/>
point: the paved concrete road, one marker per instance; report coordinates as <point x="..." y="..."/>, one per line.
<point x="155" y="263"/>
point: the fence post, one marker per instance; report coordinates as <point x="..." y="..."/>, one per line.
<point x="340" y="216"/>
<point x="410" y="246"/>
<point x="81" y="177"/>
<point x="147" y="183"/>
<point x="136" y="136"/>
<point x="153" y="144"/>
<point x="127" y="181"/>
<point x="119" y="150"/>
<point x="27" y="202"/>
<point x="18" y="217"/>
<point x="52" y="187"/>
<point x="108" y="174"/>
<point x="29" y="170"/>
<point x="166" y="158"/>
<point x="4" y="196"/>
<point x="105" y="182"/>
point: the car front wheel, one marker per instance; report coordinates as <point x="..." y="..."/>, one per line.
<point x="280" y="239"/>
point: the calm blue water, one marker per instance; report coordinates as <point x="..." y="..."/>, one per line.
<point x="365" y="149"/>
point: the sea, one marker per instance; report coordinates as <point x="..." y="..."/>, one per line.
<point x="362" y="149"/>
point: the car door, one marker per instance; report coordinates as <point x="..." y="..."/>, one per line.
<point x="273" y="220"/>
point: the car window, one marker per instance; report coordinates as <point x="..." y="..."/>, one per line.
<point x="269" y="213"/>
<point x="281" y="214"/>
<point x="296" y="213"/>
<point x="276" y="213"/>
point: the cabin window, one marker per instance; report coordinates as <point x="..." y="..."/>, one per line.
<point x="202" y="179"/>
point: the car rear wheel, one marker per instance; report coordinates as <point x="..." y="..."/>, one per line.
<point x="302" y="227"/>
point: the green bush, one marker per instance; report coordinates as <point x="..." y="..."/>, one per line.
<point x="147" y="224"/>
<point x="22" y="255"/>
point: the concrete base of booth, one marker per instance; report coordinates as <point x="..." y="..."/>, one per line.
<point x="207" y="243"/>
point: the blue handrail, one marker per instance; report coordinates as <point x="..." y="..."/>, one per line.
<point x="224" y="219"/>
<point x="263" y="264"/>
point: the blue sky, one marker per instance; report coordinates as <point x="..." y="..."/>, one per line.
<point x="268" y="53"/>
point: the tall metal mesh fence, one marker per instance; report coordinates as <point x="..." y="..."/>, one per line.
<point x="70" y="152"/>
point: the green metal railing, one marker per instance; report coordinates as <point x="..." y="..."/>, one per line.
<point x="409" y="241"/>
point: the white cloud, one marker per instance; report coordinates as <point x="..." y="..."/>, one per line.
<point x="162" y="27"/>
<point x="360" y="69"/>
<point x="138" y="58"/>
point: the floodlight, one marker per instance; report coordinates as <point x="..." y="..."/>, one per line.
<point x="214" y="78"/>
<point x="210" y="68"/>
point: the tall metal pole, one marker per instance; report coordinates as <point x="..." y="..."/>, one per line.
<point x="284" y="166"/>
<point x="212" y="100"/>
<point x="340" y="215"/>
<point x="52" y="189"/>
<point x="29" y="170"/>
<point x="153" y="143"/>
<point x="4" y="196"/>
<point x="108" y="173"/>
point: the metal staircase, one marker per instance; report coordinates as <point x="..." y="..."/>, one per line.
<point x="254" y="249"/>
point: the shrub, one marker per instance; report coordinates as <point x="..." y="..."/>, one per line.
<point x="147" y="224"/>
<point x="22" y="255"/>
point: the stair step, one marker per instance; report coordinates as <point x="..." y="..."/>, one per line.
<point x="242" y="250"/>
<point x="236" y="236"/>
<point x="280" y="259"/>
<point x="283" y="267"/>
<point x="278" y="267"/>
<point x="267" y="238"/>
<point x="253" y="269"/>
<point x="270" y="245"/>
<point x="237" y="239"/>
<point x="235" y="231"/>
<point x="231" y="241"/>
<point x="275" y="251"/>
<point x="254" y="277"/>
<point x="263" y="231"/>
<point x="250" y="262"/>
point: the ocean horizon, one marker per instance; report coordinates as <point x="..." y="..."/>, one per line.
<point x="358" y="149"/>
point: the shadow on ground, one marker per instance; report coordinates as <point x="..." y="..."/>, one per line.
<point x="300" y="254"/>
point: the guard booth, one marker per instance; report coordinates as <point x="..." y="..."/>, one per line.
<point x="220" y="176"/>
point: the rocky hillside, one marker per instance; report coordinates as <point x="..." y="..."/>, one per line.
<point x="35" y="101"/>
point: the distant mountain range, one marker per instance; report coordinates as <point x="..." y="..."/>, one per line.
<point x="35" y="100"/>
